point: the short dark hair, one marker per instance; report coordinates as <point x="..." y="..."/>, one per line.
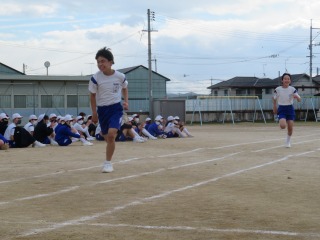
<point x="286" y="74"/>
<point x="106" y="53"/>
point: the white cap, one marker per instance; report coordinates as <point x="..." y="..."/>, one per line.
<point x="170" y="118"/>
<point x="3" y="115"/>
<point x="158" y="118"/>
<point x="52" y="115"/>
<point x="16" y="115"/>
<point x="176" y="118"/>
<point x="79" y="117"/>
<point x="33" y="117"/>
<point x="59" y="117"/>
<point x="135" y="115"/>
<point x="68" y="117"/>
<point x="41" y="116"/>
<point x="148" y="119"/>
<point x="130" y="119"/>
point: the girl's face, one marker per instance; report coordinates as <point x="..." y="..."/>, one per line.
<point x="286" y="81"/>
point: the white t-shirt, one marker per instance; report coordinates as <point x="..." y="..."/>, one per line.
<point x="284" y="96"/>
<point x="80" y="128"/>
<point x="9" y="131"/>
<point x="107" y="88"/>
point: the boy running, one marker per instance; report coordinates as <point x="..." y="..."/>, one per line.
<point x="106" y="87"/>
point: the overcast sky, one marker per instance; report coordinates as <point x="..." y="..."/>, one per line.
<point x="194" y="43"/>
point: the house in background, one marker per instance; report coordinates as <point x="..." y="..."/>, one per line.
<point x="37" y="94"/>
<point x="263" y="87"/>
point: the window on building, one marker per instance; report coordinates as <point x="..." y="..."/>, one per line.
<point x="72" y="101"/>
<point x="84" y="101"/>
<point x="20" y="101"/>
<point x="5" y="101"/>
<point x="268" y="91"/>
<point x="226" y="92"/>
<point x="215" y="93"/>
<point x="46" y="101"/>
<point x="31" y="101"/>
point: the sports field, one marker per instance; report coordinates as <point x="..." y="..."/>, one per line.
<point x="228" y="182"/>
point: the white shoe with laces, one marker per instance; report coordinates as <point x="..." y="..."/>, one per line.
<point x="107" y="167"/>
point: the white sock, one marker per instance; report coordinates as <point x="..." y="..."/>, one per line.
<point x="83" y="140"/>
<point x="145" y="132"/>
<point x="187" y="132"/>
<point x="288" y="139"/>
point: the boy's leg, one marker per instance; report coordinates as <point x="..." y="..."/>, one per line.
<point x="111" y="143"/>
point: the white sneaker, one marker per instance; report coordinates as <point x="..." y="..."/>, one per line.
<point x="107" y="167"/>
<point x="53" y="143"/>
<point x="153" y="138"/>
<point x="38" y="144"/>
<point x="138" y="140"/>
<point x="86" y="143"/>
<point x="91" y="138"/>
<point x="288" y="145"/>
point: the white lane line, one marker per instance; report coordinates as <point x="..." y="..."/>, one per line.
<point x="148" y="199"/>
<point x="281" y="146"/>
<point x="43" y="195"/>
<point x="117" y="179"/>
<point x="206" y="229"/>
<point x="134" y="159"/>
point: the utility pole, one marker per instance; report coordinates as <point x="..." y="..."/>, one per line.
<point x="310" y="48"/>
<point x="150" y="85"/>
<point x="155" y="63"/>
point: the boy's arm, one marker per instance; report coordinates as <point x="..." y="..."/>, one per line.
<point x="126" y="99"/>
<point x="93" y="104"/>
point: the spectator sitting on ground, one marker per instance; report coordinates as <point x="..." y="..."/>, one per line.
<point x="92" y="127"/>
<point x="4" y="121"/>
<point x="172" y="129"/>
<point x="155" y="129"/>
<point x="147" y="123"/>
<point x="31" y="124"/>
<point x="17" y="136"/>
<point x="127" y="132"/>
<point x="83" y="129"/>
<point x="42" y="132"/>
<point x="4" y="144"/>
<point x="65" y="133"/>
<point x="182" y="126"/>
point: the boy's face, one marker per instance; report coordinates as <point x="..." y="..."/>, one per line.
<point x="286" y="81"/>
<point x="104" y="64"/>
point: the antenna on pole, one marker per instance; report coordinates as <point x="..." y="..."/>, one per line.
<point x="47" y="65"/>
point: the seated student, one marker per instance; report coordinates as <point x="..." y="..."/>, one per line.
<point x="155" y="129"/>
<point x="4" y="121"/>
<point x="172" y="129"/>
<point x="182" y="126"/>
<point x="65" y="133"/>
<point x="127" y="133"/>
<point x="44" y="133"/>
<point x="31" y="124"/>
<point x="83" y="129"/>
<point x="17" y="136"/>
<point x="4" y="143"/>
<point x="147" y="123"/>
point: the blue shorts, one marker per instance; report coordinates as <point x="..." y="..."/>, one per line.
<point x="110" y="117"/>
<point x="286" y="112"/>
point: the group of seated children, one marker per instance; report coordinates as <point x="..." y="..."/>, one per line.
<point x="43" y="130"/>
<point x="132" y="130"/>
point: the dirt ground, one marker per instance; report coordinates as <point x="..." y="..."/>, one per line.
<point x="227" y="182"/>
